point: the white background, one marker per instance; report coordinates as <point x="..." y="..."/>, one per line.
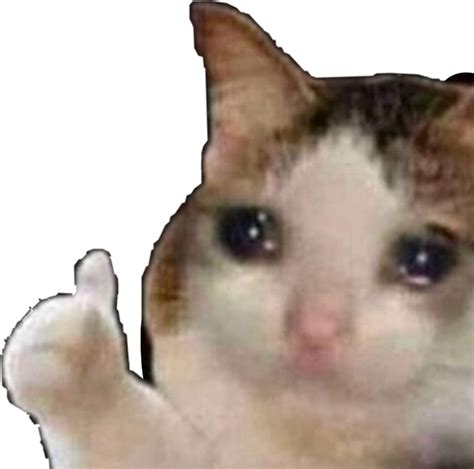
<point x="102" y="122"/>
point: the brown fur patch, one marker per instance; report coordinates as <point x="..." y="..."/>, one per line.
<point x="253" y="86"/>
<point x="163" y="286"/>
<point x="440" y="170"/>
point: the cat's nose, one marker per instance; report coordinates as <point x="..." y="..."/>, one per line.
<point x="315" y="330"/>
<point x="316" y="327"/>
<point x="317" y="319"/>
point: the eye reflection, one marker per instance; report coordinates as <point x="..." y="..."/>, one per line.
<point x="423" y="260"/>
<point x="248" y="233"/>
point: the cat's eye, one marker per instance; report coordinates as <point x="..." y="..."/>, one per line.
<point x="422" y="261"/>
<point x="248" y="233"/>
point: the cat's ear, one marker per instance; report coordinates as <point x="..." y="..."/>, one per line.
<point x="254" y="88"/>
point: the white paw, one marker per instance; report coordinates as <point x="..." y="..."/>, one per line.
<point x="68" y="350"/>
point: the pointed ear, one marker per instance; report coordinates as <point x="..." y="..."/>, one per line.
<point x="254" y="88"/>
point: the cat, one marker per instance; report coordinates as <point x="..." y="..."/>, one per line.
<point x="309" y="306"/>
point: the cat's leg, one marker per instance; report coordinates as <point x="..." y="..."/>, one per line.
<point x="65" y="364"/>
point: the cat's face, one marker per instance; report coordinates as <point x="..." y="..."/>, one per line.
<point x="331" y="240"/>
<point x="326" y="271"/>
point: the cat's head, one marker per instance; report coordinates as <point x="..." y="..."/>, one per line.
<point x="332" y="237"/>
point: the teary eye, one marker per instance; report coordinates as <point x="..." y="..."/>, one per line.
<point x="248" y="233"/>
<point x="422" y="261"/>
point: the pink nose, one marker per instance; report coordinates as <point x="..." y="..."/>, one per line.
<point x="317" y="328"/>
<point x="317" y="321"/>
<point x="314" y="335"/>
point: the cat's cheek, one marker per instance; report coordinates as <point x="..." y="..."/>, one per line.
<point x="390" y="339"/>
<point x="242" y="312"/>
<point x="379" y="369"/>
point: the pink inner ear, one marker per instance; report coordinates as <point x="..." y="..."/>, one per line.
<point x="222" y="153"/>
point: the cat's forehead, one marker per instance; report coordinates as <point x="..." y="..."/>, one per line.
<point x="411" y="119"/>
<point x="340" y="168"/>
<point x="337" y="200"/>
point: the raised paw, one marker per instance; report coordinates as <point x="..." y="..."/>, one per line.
<point x="69" y="350"/>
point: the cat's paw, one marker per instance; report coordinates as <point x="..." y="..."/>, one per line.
<point x="69" y="350"/>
